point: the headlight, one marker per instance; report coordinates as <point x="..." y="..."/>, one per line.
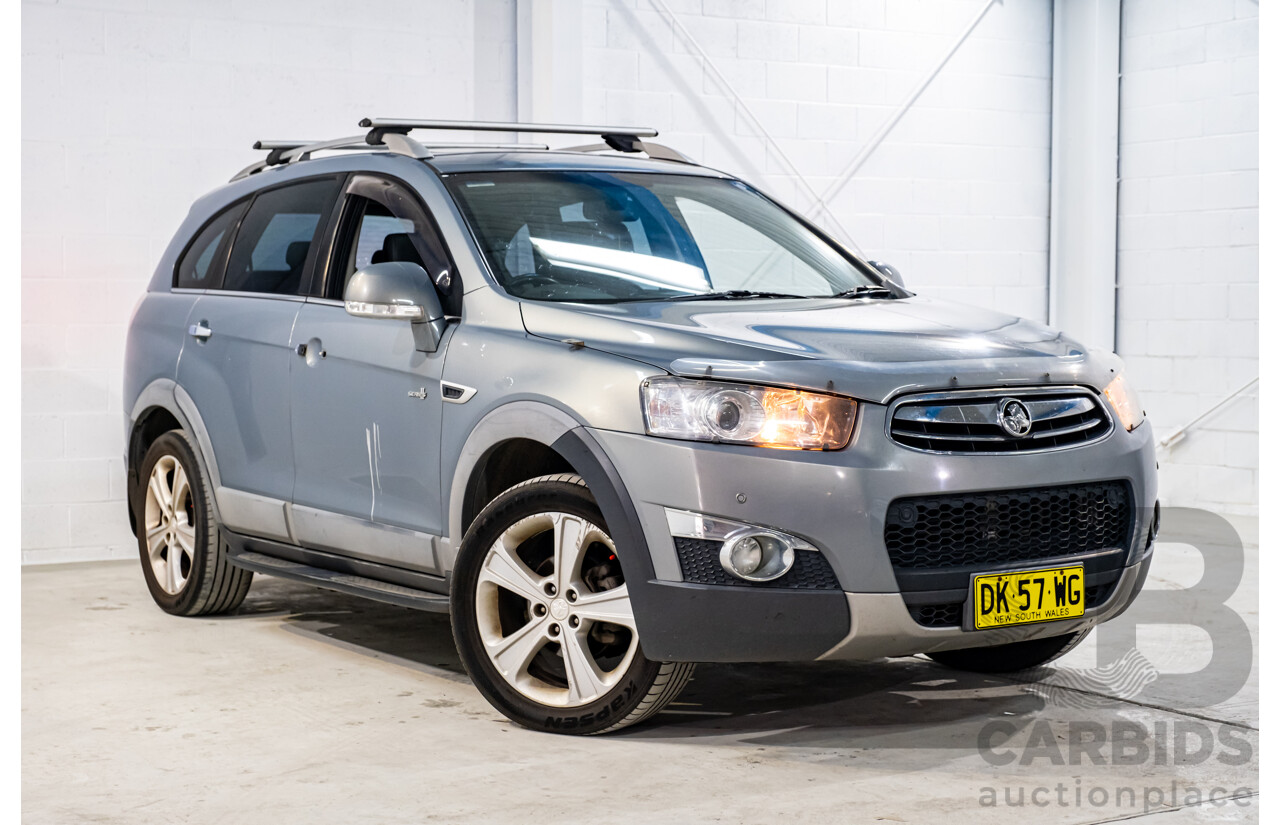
<point x="1125" y="402"/>
<point x="743" y="414"/>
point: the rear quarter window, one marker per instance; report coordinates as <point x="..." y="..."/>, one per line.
<point x="200" y="266"/>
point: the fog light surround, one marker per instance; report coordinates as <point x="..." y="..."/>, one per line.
<point x="747" y="552"/>
<point x="757" y="555"/>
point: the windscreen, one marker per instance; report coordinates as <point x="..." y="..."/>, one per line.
<point x="608" y="237"/>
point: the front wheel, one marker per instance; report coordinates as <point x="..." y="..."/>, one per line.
<point x="542" y="619"/>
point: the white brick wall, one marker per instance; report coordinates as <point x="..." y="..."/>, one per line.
<point x="1188" y="240"/>
<point x="132" y="109"/>
<point x="957" y="197"/>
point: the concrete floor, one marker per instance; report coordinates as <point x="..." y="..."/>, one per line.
<point x="313" y="707"/>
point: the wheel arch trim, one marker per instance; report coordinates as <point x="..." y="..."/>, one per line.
<point x="168" y="395"/>
<point x="528" y="420"/>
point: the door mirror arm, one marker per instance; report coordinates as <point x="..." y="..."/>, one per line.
<point x="427" y="334"/>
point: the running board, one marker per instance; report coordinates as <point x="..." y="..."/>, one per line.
<point x="341" y="582"/>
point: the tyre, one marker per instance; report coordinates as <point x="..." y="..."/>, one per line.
<point x="183" y="559"/>
<point x="1011" y="657"/>
<point x="542" y="619"/>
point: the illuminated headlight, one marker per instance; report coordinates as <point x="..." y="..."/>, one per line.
<point x="745" y="414"/>
<point x="1124" y="400"/>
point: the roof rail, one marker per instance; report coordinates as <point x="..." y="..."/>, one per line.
<point x="281" y="152"/>
<point x="487" y="146"/>
<point x="654" y="150"/>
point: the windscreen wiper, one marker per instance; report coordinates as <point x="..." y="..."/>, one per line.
<point x="867" y="291"/>
<point x="733" y="295"/>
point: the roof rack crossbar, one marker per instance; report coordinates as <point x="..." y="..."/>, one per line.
<point x="393" y="136"/>
<point x="625" y="139"/>
<point x="380" y="124"/>
<point x="287" y="151"/>
<point x="359" y="143"/>
<point x="280" y="144"/>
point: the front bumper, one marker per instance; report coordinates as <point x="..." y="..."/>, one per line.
<point x="881" y="625"/>
<point x="838" y="502"/>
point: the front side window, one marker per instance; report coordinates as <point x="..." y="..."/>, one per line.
<point x="382" y="222"/>
<point x="200" y="264"/>
<point x="605" y="237"/>
<point x="382" y="237"/>
<point x="275" y="239"/>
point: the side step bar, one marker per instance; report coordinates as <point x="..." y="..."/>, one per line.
<point x="341" y="582"/>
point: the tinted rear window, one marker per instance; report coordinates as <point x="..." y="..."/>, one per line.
<point x="276" y="236"/>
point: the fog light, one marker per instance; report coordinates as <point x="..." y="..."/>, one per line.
<point x="756" y="556"/>
<point x="746" y="556"/>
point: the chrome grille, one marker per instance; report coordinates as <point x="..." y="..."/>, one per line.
<point x="970" y="422"/>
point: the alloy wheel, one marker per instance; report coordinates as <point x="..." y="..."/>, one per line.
<point x="553" y="610"/>
<point x="169" y="521"/>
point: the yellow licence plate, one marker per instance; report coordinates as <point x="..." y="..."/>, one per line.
<point x="1005" y="599"/>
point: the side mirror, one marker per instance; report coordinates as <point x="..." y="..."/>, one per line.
<point x="889" y="271"/>
<point x="401" y="291"/>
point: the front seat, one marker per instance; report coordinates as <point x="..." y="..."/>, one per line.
<point x="398" y="246"/>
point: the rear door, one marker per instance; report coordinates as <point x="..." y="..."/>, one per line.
<point x="235" y="366"/>
<point x="366" y="403"/>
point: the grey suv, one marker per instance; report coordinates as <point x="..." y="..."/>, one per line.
<point x="617" y="413"/>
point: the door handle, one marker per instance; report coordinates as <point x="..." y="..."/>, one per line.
<point x="200" y="331"/>
<point x="301" y="349"/>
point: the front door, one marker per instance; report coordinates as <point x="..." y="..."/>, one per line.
<point x="366" y="404"/>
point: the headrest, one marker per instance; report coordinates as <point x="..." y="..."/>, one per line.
<point x="602" y="211"/>
<point x="397" y="246"/>
<point x="296" y="255"/>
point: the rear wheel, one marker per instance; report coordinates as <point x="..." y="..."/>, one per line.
<point x="1011" y="657"/>
<point x="542" y="618"/>
<point x="183" y="559"/>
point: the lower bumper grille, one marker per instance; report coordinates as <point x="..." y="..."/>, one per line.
<point x="995" y="528"/>
<point x="700" y="564"/>
<point x="936" y="543"/>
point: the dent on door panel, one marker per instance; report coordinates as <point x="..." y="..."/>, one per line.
<point x="366" y="429"/>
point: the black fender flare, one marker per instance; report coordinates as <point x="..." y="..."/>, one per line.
<point x="684" y="622"/>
